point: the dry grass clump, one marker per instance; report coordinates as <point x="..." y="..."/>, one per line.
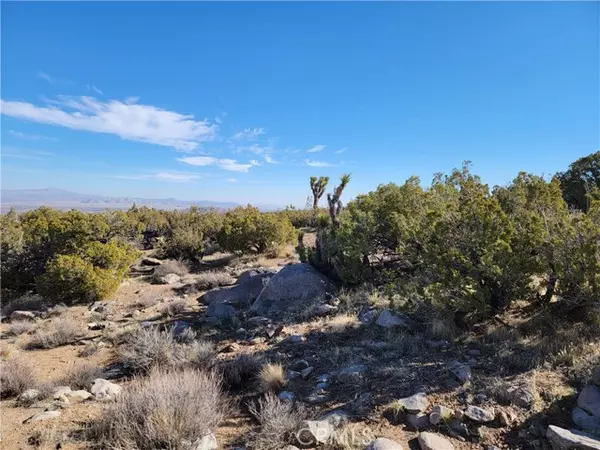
<point x="175" y="308"/>
<point x="340" y="323"/>
<point x="213" y="279"/>
<point x="150" y="347"/>
<point x="90" y="349"/>
<point x="242" y="371"/>
<point x="176" y="266"/>
<point x="16" y="377"/>
<point x="27" y="302"/>
<point x="55" y="311"/>
<point x="271" y="378"/>
<point x="279" y="421"/>
<point x="82" y="375"/>
<point x="166" y="410"/>
<point x="21" y="327"/>
<point x="56" y="333"/>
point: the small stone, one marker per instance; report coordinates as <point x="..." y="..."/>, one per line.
<point x="589" y="399"/>
<point x="287" y="396"/>
<point x="295" y="339"/>
<point x="61" y="402"/>
<point x="29" y="396"/>
<point x="170" y="278"/>
<point x="384" y="444"/>
<point x="105" y="390"/>
<point x="387" y="319"/>
<point x="474" y="352"/>
<point x="418" y="421"/>
<point x="151" y="262"/>
<point x="292" y="375"/>
<point x="479" y="414"/>
<point x="481" y="398"/>
<point x="414" y="404"/>
<point x="80" y="394"/>
<point x="45" y="415"/>
<point x="520" y="394"/>
<point x="316" y="397"/>
<point x="324" y="310"/>
<point x="337" y="417"/>
<point x="439" y="414"/>
<point x="17" y="316"/>
<point x="459" y="428"/>
<point x="313" y="432"/>
<point x="322" y="386"/>
<point x="354" y="371"/>
<point x="299" y="365"/>
<point x="368" y="316"/>
<point x="432" y="441"/>
<point x="504" y="419"/>
<point x="208" y="442"/>
<point x="61" y="390"/>
<point x="94" y="326"/>
<point x="305" y="373"/>
<point x="562" y="439"/>
<point x="462" y="372"/>
<point x="323" y="378"/>
<point x="458" y="415"/>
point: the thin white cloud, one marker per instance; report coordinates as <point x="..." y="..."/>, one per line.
<point x="254" y="148"/>
<point x="340" y="151"/>
<point x="20" y="153"/>
<point x="173" y="176"/>
<point x="232" y="180"/>
<point x="230" y="165"/>
<point x="91" y="87"/>
<point x="269" y="159"/>
<point x="248" y="134"/>
<point x="255" y="162"/>
<point x="312" y="163"/>
<point x="128" y="120"/>
<point x="316" y="148"/>
<point x="53" y="80"/>
<point x="31" y="137"/>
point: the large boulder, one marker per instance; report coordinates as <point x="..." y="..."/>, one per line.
<point x="589" y="399"/>
<point x="292" y="289"/>
<point x="105" y="390"/>
<point x="562" y="439"/>
<point x="242" y="294"/>
<point x="221" y="311"/>
<point x="260" y="273"/>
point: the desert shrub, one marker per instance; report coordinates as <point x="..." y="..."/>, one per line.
<point x="242" y="371"/>
<point x="88" y="350"/>
<point x="16" y="377"/>
<point x="176" y="266"/>
<point x="183" y="243"/>
<point x="202" y="355"/>
<point x="21" y="327"/>
<point x="55" y="311"/>
<point x="55" y="333"/>
<point x="166" y="409"/>
<point x="175" y="307"/>
<point x="149" y="347"/>
<point x="582" y="177"/>
<point x="27" y="302"/>
<point x="279" y="421"/>
<point x="247" y="230"/>
<point x="213" y="279"/>
<point x="271" y="378"/>
<point x="81" y="375"/>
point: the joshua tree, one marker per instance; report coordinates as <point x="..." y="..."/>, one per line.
<point x="317" y="187"/>
<point x="335" y="204"/>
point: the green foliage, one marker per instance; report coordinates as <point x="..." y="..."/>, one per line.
<point x="317" y="186"/>
<point x="582" y="177"/>
<point x="247" y="230"/>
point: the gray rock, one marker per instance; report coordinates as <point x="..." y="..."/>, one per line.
<point x="61" y="390"/>
<point x="478" y="414"/>
<point x="353" y="371"/>
<point x="208" y="442"/>
<point x="414" y="404"/>
<point x="17" y="316"/>
<point x="221" y="311"/>
<point x="324" y="310"/>
<point x="45" y="415"/>
<point x="293" y="375"/>
<point x="337" y="417"/>
<point x="151" y="262"/>
<point x="439" y="414"/>
<point x="387" y="319"/>
<point x="313" y="432"/>
<point x="287" y="396"/>
<point x="596" y="377"/>
<point x="295" y="339"/>
<point x="368" y="316"/>
<point x="95" y="326"/>
<point x="562" y="439"/>
<point x="259" y="273"/>
<point x="585" y="421"/>
<point x="170" y="278"/>
<point x="305" y="373"/>
<point x="432" y="441"/>
<point x="28" y="397"/>
<point x="292" y="289"/>
<point x="80" y="394"/>
<point x="317" y="397"/>
<point x="418" y="421"/>
<point x="504" y="418"/>
<point x="104" y="390"/>
<point x="259" y="321"/>
<point x="384" y="444"/>
<point x="458" y="428"/>
<point x="520" y="394"/>
<point x="461" y="371"/>
<point x="589" y="399"/>
<point x="61" y="402"/>
<point x="299" y="364"/>
<point x="241" y="294"/>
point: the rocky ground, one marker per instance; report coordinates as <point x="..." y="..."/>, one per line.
<point x="366" y="376"/>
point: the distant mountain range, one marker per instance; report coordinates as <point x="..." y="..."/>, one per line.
<point x="23" y="200"/>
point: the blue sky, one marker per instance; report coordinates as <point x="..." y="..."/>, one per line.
<point x="244" y="101"/>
